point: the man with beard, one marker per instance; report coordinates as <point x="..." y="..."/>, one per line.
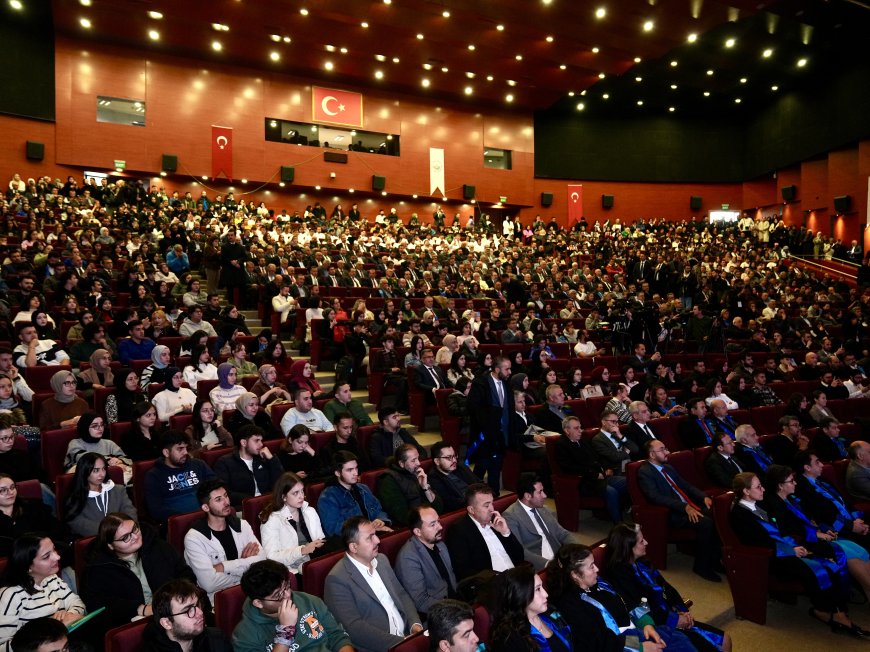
<point x="179" y="623"/>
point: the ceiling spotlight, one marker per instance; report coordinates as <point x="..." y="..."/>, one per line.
<point x="379" y="74"/>
<point x="672" y="109"/>
<point x="606" y="96"/>
<point x="767" y="53"/>
<point x="330" y="48"/>
<point x="153" y="34"/>
<point x="601" y="75"/>
<point x="549" y="39"/>
<point x="511" y="82"/>
<point x="648" y="26"/>
<point x="674" y="64"/>
<point x="83" y="3"/>
<point x="471" y="47"/>
<point x="673" y="87"/>
<point x="519" y="57"/>
<point x="343" y="50"/>
<point x="328" y="65"/>
<point x="581" y="106"/>
<point x="420" y="37"/>
<point x="396" y="59"/>
<point x="743" y="80"/>
<point x="706" y="93"/>
<point x="563" y="67"/>
<point x="469" y="90"/>
<point x="424" y="82"/>
<point x="730" y="42"/>
<point x="601" y="12"/>
<point x="220" y="27"/>
<point x="388" y="2"/>
<point x="691" y="38"/>
<point x="444" y="69"/>
<point x="275" y="37"/>
<point x="774" y="88"/>
<point x="427" y="66"/>
<point x="596" y="50"/>
<point x="489" y="78"/>
<point x="570" y="93"/>
<point x="303" y="11"/>
<point x="275" y="56"/>
<point x="364" y="25"/>
<point x="216" y="46"/>
<point x="84" y="22"/>
<point x="801" y="63"/>
<point x="737" y="100"/>
<point x="445" y="13"/>
<point x="710" y="73"/>
<point x="500" y="28"/>
<point x="204" y="178"/>
<point x="638" y="79"/>
<point x="637" y="59"/>
<point x="156" y="15"/>
<point x="640" y="102"/>
<point x="470" y="75"/>
<point x="286" y="39"/>
<point x="380" y="57"/>
<point x="508" y="98"/>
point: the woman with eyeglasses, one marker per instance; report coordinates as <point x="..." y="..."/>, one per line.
<point x="91" y="429"/>
<point x="93" y="495"/>
<point x="126" y="564"/>
<point x="205" y="431"/>
<point x="19" y="516"/>
<point x="64" y="409"/>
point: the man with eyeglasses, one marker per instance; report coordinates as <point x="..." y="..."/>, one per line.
<point x="688" y="507"/>
<point x="610" y="446"/>
<point x="275" y="618"/>
<point x="449" y="479"/>
<point x="404" y="485"/>
<point x="178" y="622"/>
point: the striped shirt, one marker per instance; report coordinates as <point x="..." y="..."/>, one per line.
<point x="17" y="606"/>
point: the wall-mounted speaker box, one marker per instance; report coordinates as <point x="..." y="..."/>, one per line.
<point x="35" y="151"/>
<point x="378" y="183"/>
<point x="467" y="191"/>
<point x="546" y="199"/>
<point x="695" y="203"/>
<point x="288" y="174"/>
<point x="606" y="201"/>
<point x="789" y="193"/>
<point x="334" y="157"/>
<point x="843" y="203"/>
<point x="169" y="163"/>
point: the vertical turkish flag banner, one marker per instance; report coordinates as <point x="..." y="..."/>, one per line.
<point x="222" y="151"/>
<point x="575" y="204"/>
<point x="336" y="107"/>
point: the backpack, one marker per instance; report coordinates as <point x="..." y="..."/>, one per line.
<point x="344" y="369"/>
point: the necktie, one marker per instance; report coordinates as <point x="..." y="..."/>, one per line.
<point x="648" y="432"/>
<point x="500" y="391"/>
<point x="550" y="538"/>
<point x="434" y="377"/>
<point x="679" y="491"/>
<point x="734" y="464"/>
<point x="706" y="429"/>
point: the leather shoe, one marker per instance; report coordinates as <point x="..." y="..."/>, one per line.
<point x="853" y="631"/>
<point x="707" y="574"/>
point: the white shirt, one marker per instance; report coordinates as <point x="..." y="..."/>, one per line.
<point x="546" y="549"/>
<point x="376" y="584"/>
<point x="501" y="561"/>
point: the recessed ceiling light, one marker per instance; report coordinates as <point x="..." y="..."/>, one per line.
<point x="329" y="48"/>
<point x="220" y="27"/>
<point x="216" y="46"/>
<point x="156" y="15"/>
<point x="691" y="38"/>
<point x="380" y="57"/>
<point x="379" y="74"/>
<point x="767" y="53"/>
<point x="601" y="75"/>
<point x="582" y="92"/>
<point x="606" y="96"/>
<point x="674" y="64"/>
<point x="570" y="93"/>
<point x="638" y="79"/>
<point x="83" y="3"/>
<point x="445" y="13"/>
<point x="424" y="82"/>
<point x="706" y="93"/>
<point x="519" y="57"/>
<point x="286" y="39"/>
<point x="470" y="75"/>
<point x="396" y="59"/>
<point x="388" y="2"/>
<point x="581" y="106"/>
<point x="420" y="37"/>
<point x="204" y="178"/>
<point x="672" y="109"/>
<point x="86" y="23"/>
<point x="281" y="184"/>
<point x="273" y="123"/>
<point x="364" y="25"/>
<point x="774" y="88"/>
<point x="275" y="37"/>
<point x="16" y="5"/>
<point x="601" y="12"/>
<point x="275" y="56"/>
<point x="710" y="73"/>
<point x="596" y="50"/>
<point x="743" y="80"/>
<point x="317" y="187"/>
<point x="343" y="50"/>
<point x="637" y="59"/>
<point x="328" y="65"/>
<point x="489" y="78"/>
<point x="648" y="26"/>
<point x="546" y="2"/>
<point x="673" y="87"/>
<point x="444" y="69"/>
<point x="737" y="100"/>
<point x="471" y="47"/>
<point x="244" y="181"/>
<point x="500" y="28"/>
<point x="640" y="102"/>
<point x="427" y="66"/>
<point x="384" y="193"/>
<point x="563" y="67"/>
<point x="508" y="98"/>
<point x="511" y="82"/>
<point x="730" y="42"/>
<point x="801" y="63"/>
<point x="153" y="34"/>
<point x="303" y="11"/>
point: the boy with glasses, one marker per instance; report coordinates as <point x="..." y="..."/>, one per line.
<point x="179" y="622"/>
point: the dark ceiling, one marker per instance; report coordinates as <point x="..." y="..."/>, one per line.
<point x="536" y="72"/>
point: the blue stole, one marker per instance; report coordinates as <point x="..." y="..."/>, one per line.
<point x="821" y="568"/>
<point x="609" y="620"/>
<point x="728" y="426"/>
<point x="760" y="457"/>
<point x="845" y="516"/>
<point x="840" y="446"/>
<point x="559" y="628"/>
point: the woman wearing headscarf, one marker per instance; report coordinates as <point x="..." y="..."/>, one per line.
<point x="99" y="374"/>
<point x="10" y="402"/>
<point x="520" y="383"/>
<point x="174" y="399"/>
<point x="156" y="371"/>
<point x="448" y="348"/>
<point x="248" y="414"/>
<point x="224" y="396"/>
<point x="267" y="388"/>
<point x="90" y="429"/>
<point x="119" y="405"/>
<point x="302" y="377"/>
<point x="44" y="324"/>
<point x="64" y="408"/>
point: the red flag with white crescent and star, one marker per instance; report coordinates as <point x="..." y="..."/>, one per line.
<point x="575" y="204"/>
<point x="222" y="151"/>
<point x="336" y="107"/>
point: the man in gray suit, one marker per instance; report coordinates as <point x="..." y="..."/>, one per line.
<point x="611" y="447"/>
<point x="423" y="564"/>
<point x="858" y="471"/>
<point x="534" y="525"/>
<point x="363" y="592"/>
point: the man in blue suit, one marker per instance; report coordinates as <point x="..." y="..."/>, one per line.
<point x="490" y="406"/>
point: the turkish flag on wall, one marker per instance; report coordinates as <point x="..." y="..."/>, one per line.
<point x="575" y="204"/>
<point x="222" y="151"/>
<point x="336" y="107"/>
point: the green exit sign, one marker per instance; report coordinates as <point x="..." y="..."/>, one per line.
<point x="725" y="207"/>
<point x="120" y="165"/>
<point x="503" y="199"/>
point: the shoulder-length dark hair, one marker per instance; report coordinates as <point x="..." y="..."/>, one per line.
<point x="515" y="589"/>
<point x="620" y="545"/>
<point x="285" y="483"/>
<point x="24" y="551"/>
<point x="196" y="418"/>
<point x="78" y="495"/>
<point x="107" y="530"/>
<point x="559" y="569"/>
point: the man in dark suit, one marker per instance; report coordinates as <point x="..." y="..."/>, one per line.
<point x="639" y="431"/>
<point x="554" y="413"/>
<point x="374" y="622"/>
<point x="535" y="526"/>
<point x="610" y="446"/>
<point x="482" y="540"/>
<point x="697" y="430"/>
<point x="722" y="421"/>
<point x="575" y="457"/>
<point x="423" y="565"/>
<point x="788" y="442"/>
<point x="250" y="467"/>
<point x="722" y="465"/>
<point x="858" y="472"/>
<point x="750" y="455"/>
<point x="430" y="377"/>
<point x="688" y="507"/>
<point x="828" y="444"/>
<point x="449" y="479"/>
<point x="490" y="406"/>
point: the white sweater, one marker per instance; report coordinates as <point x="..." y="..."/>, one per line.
<point x="168" y="404"/>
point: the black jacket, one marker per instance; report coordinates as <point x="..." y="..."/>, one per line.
<point x="579" y="459"/>
<point x="381" y="446"/>
<point x="469" y="552"/>
<point x="240" y="481"/>
<point x="719" y="471"/>
<point x="448" y="492"/>
<point x="108" y="582"/>
<point x="212" y="639"/>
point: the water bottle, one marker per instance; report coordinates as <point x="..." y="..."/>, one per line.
<point x="640" y="611"/>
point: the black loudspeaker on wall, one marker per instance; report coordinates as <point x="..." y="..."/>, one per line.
<point x="695" y="203"/>
<point x="606" y="201"/>
<point x="546" y="199"/>
<point x="169" y="163"/>
<point x="287" y="174"/>
<point x="35" y="151"/>
<point x="843" y="203"/>
<point x="378" y="183"/>
<point x="467" y="191"/>
<point x="789" y="193"/>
